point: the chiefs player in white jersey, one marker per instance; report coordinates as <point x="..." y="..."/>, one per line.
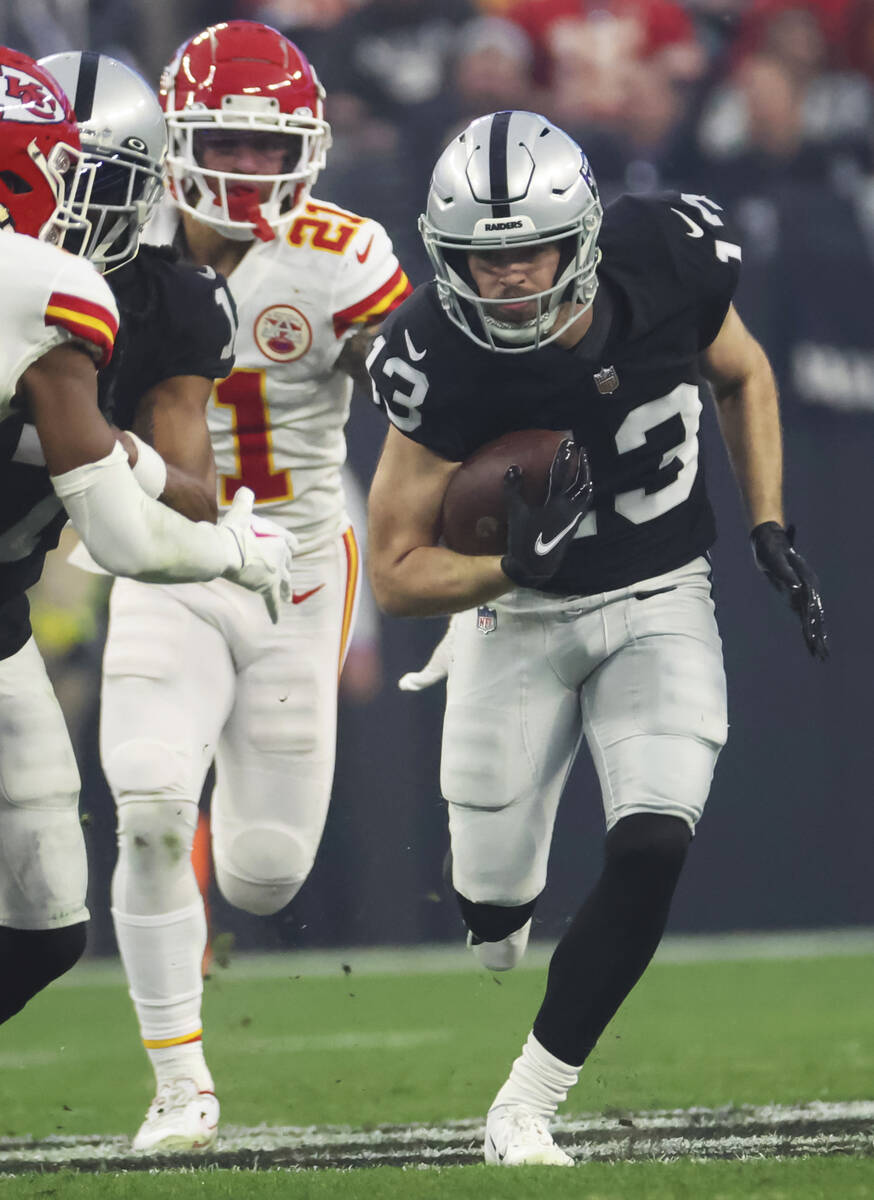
<point x="195" y="673"/>
<point x="60" y="457"/>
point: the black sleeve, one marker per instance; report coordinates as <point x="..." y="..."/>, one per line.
<point x="200" y="322"/>
<point x="409" y="370"/>
<point x="706" y="255"/>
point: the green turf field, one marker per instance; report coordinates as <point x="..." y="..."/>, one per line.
<point x="366" y="1050"/>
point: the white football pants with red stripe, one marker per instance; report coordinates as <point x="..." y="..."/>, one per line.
<point x="196" y="672"/>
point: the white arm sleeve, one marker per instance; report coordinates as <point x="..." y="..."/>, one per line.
<point x="130" y="534"/>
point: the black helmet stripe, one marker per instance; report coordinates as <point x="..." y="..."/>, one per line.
<point x="499" y="184"/>
<point x="83" y="105"/>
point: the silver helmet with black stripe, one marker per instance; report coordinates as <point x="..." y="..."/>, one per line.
<point x="117" y="177"/>
<point x="513" y="179"/>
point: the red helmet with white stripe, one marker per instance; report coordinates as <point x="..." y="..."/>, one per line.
<point x="38" y="138"/>
<point x="234" y="81"/>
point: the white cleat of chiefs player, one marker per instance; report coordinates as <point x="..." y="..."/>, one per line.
<point x="180" y="1118"/>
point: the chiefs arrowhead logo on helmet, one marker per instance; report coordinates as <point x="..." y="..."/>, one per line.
<point x="25" y="99"/>
<point x="37" y="132"/>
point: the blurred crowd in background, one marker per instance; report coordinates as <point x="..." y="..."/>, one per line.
<point x="765" y="105"/>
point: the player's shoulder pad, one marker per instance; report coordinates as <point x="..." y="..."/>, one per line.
<point x="702" y="243"/>
<point x="671" y="249"/>
<point x="68" y="293"/>
<point x="415" y="372"/>
<point x="193" y="299"/>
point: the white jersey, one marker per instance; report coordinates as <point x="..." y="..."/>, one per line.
<point x="48" y="297"/>
<point x="277" y="421"/>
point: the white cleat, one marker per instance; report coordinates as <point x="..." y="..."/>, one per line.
<point x="180" y="1118"/>
<point x="516" y="1137"/>
<point x="502" y="955"/>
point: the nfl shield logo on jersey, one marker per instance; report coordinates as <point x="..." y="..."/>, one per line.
<point x="486" y="619"/>
<point x="606" y="380"/>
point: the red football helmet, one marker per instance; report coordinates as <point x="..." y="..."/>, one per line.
<point x="37" y="135"/>
<point x="246" y="78"/>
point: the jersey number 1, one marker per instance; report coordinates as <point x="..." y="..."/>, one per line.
<point x="243" y="392"/>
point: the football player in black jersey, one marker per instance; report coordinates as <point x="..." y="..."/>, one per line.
<point x="62" y="459"/>
<point x="598" y="620"/>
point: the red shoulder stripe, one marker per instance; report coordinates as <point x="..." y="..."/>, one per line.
<point x="377" y="304"/>
<point x="84" y="319"/>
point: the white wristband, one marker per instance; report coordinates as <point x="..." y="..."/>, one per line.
<point x="150" y="470"/>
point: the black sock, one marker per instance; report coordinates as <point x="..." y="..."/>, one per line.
<point x="31" y="958"/>
<point x="614" y="935"/>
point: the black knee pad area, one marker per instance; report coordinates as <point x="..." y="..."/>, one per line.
<point x="31" y="958"/>
<point x="492" y="922"/>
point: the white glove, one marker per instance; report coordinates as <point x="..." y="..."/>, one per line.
<point x="435" y="669"/>
<point x="265" y="551"/>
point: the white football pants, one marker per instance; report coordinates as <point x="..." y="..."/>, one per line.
<point x="43" y="869"/>
<point x="637" y="670"/>
<point x="196" y="672"/>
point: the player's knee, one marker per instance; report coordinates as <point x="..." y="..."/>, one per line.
<point x="155" y="835"/>
<point x="654" y="839"/>
<point x="261" y="869"/>
<point x="146" y="767"/>
<point x="494" y="922"/>
<point x="32" y="958"/>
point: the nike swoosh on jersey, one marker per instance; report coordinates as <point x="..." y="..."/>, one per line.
<point x="299" y="597"/>
<point x="414" y="354"/>
<point x="361" y="255"/>
<point x="694" y="230"/>
<point x="541" y="547"/>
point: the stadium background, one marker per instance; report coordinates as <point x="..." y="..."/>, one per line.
<point x="764" y="105"/>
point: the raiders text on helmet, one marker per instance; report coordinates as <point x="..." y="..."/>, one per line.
<point x="513" y="179"/>
<point x="245" y="77"/>
<point x="117" y="180"/>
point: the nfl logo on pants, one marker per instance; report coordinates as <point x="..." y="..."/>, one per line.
<point x="486" y="619"/>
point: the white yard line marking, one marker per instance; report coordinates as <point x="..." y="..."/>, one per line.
<point x="771" y="1131"/>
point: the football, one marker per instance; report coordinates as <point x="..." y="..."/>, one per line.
<point x="474" y="517"/>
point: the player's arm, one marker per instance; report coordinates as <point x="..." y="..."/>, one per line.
<point x="749" y="417"/>
<point x="126" y="532"/>
<point x="352" y="359"/>
<point x="746" y="400"/>
<point x="171" y="417"/>
<point x="411" y="575"/>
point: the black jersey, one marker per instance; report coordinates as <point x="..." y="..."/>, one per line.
<point x="629" y="391"/>
<point x="174" y="320"/>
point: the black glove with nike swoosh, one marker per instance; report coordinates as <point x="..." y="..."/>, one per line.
<point x="777" y="557"/>
<point x="538" y="535"/>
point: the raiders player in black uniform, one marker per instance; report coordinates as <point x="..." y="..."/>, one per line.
<point x="598" y="619"/>
<point x="175" y="336"/>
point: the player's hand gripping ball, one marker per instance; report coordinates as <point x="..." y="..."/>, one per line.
<point x="474" y="519"/>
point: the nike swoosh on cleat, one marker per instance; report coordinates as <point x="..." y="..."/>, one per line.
<point x="498" y="1155"/>
<point x="541" y="547"/>
<point x="299" y="597"/>
<point x="361" y="255"/>
<point x="414" y="354"/>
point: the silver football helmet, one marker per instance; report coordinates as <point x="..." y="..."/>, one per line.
<point x="513" y="179"/>
<point x="117" y="180"/>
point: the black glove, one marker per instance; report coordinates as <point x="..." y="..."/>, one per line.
<point x="538" y="535"/>
<point x="788" y="572"/>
